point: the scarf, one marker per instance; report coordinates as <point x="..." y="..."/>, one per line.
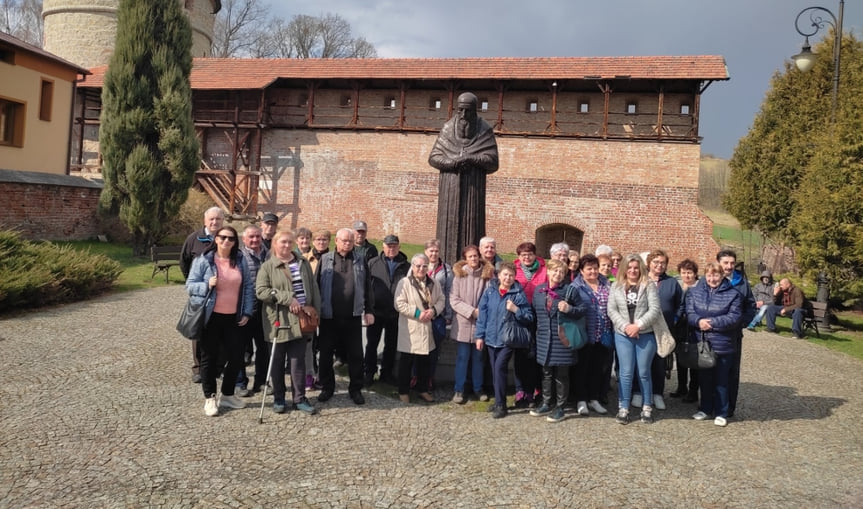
<point x="423" y="288"/>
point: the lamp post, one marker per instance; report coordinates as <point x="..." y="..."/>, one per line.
<point x="806" y="59"/>
<point x="804" y="62"/>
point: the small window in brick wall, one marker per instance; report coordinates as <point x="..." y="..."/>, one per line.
<point x="583" y="107"/>
<point x="631" y="108"/>
<point x="303" y="100"/>
<point x="345" y="101"/>
<point x="390" y="103"/>
<point x="483" y="104"/>
<point x="434" y="103"/>
<point x="684" y="109"/>
<point x="532" y="106"/>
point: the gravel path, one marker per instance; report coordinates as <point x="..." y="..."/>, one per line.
<point x="97" y="410"/>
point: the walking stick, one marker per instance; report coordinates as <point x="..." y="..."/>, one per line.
<point x="276" y="326"/>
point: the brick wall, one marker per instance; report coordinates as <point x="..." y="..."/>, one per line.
<point x="632" y="196"/>
<point x="49" y="207"/>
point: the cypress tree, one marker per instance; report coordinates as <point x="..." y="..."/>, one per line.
<point x="147" y="137"/>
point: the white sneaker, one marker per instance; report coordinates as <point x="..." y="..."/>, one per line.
<point x="581" y="408"/>
<point x="596" y="407"/>
<point x="211" y="409"/>
<point x="720" y="421"/>
<point x="658" y="402"/>
<point x="636" y="400"/>
<point x="699" y="416"/>
<point x="231" y="401"/>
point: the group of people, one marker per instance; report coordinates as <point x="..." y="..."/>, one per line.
<point x="257" y="286"/>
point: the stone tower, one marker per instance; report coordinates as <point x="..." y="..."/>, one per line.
<point x="83" y="31"/>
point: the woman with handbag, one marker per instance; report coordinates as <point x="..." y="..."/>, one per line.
<point x="714" y="311"/>
<point x="504" y="322"/>
<point x="687" y="378"/>
<point x="549" y="301"/>
<point x="472" y="275"/>
<point x="289" y="293"/>
<point x="418" y="300"/>
<point x="633" y="307"/>
<point x="592" y="373"/>
<point x="222" y="272"/>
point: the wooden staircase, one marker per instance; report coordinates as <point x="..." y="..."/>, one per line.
<point x="235" y="191"/>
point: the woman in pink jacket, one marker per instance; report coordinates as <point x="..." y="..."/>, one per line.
<point x="471" y="277"/>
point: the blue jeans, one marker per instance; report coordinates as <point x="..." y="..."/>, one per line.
<point x="467" y="352"/>
<point x="499" y="359"/>
<point x="632" y="351"/>
<point x="761" y="311"/>
<point x="715" y="386"/>
<point x="797" y="315"/>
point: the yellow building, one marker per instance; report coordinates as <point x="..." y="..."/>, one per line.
<point x="36" y="96"/>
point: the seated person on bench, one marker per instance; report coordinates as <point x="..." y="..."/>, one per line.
<point x="789" y="302"/>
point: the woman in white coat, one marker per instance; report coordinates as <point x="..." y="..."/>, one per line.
<point x="418" y="300"/>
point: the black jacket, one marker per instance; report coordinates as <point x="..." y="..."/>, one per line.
<point x="384" y="287"/>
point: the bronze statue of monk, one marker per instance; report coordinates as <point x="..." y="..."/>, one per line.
<point x="465" y="152"/>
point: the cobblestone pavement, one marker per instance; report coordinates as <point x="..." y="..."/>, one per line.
<point x="97" y="410"/>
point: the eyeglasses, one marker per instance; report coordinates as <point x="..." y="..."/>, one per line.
<point x="421" y="266"/>
<point x="227" y="237"/>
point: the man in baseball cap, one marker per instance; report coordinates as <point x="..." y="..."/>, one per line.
<point x="269" y="225"/>
<point x="362" y="246"/>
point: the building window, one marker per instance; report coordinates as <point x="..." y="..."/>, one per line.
<point x="46" y="100"/>
<point x="532" y="106"/>
<point x="434" y="103"/>
<point x="390" y="103"/>
<point x="684" y="109"/>
<point x="7" y="55"/>
<point x="584" y="107"/>
<point x="11" y="123"/>
<point x="631" y="108"/>
<point x="483" y="104"/>
<point x="303" y="100"/>
<point x="345" y="101"/>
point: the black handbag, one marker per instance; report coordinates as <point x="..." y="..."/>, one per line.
<point x="698" y="355"/>
<point x="513" y="333"/>
<point x="193" y="318"/>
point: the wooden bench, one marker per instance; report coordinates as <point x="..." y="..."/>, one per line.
<point x="815" y="313"/>
<point x="165" y="257"/>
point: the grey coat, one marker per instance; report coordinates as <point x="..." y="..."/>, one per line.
<point x="647" y="307"/>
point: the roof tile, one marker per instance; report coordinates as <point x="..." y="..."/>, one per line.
<point x="244" y="74"/>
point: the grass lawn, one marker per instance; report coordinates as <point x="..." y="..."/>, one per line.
<point x="136" y="269"/>
<point x="845" y="336"/>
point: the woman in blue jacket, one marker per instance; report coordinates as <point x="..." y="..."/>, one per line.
<point x="223" y="271"/>
<point x="549" y="301"/>
<point x="714" y="311"/>
<point x="502" y="297"/>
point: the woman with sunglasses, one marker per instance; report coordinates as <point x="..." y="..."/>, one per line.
<point x="222" y="272"/>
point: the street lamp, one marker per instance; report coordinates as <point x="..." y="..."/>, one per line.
<point x="804" y="62"/>
<point x="806" y="59"/>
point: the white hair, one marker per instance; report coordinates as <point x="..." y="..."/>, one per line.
<point x="214" y="209"/>
<point x="604" y="249"/>
<point x="487" y="240"/>
<point x="560" y="247"/>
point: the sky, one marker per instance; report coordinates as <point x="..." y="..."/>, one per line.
<point x="755" y="37"/>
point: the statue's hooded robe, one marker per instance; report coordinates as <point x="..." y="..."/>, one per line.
<point x="463" y="164"/>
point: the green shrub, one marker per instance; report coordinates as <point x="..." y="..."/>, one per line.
<point x="35" y="274"/>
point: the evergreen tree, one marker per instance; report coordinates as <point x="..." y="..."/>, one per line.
<point x="828" y="226"/>
<point x="796" y="176"/>
<point x="147" y="137"/>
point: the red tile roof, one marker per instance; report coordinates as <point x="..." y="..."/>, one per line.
<point x="244" y="74"/>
